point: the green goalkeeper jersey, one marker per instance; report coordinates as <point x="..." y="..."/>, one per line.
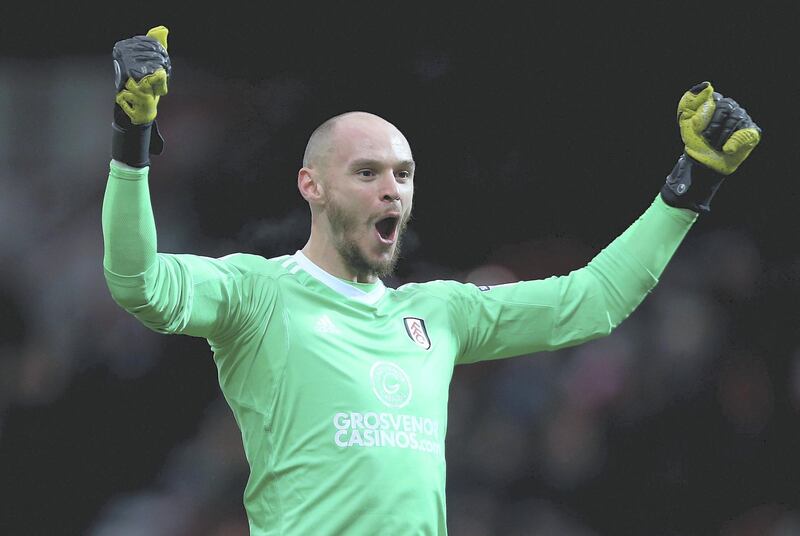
<point x="339" y="389"/>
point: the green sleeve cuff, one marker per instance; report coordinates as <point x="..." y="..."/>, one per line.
<point x="118" y="170"/>
<point x="680" y="214"/>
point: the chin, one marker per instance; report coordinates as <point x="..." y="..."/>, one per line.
<point x="383" y="262"/>
<point x="370" y="261"/>
<point x="385" y="267"/>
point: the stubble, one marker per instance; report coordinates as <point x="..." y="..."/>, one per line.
<point x="343" y="225"/>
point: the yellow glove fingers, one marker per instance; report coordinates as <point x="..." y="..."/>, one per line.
<point x="696" y="145"/>
<point x="694" y="114"/>
<point x="124" y="98"/>
<point x="154" y="84"/>
<point x="690" y="102"/>
<point x="704" y="110"/>
<point x="159" y="33"/>
<point x="743" y="141"/>
<point x="140" y="108"/>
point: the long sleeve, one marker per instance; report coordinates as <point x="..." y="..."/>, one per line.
<point x="529" y="316"/>
<point x="170" y="293"/>
<point x="129" y="229"/>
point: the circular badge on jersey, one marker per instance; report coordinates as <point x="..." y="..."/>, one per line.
<point x="390" y="384"/>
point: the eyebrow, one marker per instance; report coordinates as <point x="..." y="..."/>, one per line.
<point x="371" y="163"/>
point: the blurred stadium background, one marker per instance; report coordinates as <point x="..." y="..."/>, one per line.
<point x="540" y="134"/>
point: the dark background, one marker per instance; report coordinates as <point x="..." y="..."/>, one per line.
<point x="540" y="133"/>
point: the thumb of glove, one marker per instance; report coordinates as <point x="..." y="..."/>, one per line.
<point x="159" y="33"/>
<point x="742" y="142"/>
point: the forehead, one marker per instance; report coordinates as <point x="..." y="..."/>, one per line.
<point x="368" y="138"/>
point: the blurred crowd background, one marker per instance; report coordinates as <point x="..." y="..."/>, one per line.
<point x="539" y="136"/>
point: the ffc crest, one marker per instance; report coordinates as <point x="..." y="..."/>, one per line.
<point x="415" y="327"/>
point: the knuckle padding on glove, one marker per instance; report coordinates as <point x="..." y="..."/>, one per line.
<point x="728" y="117"/>
<point x="138" y="57"/>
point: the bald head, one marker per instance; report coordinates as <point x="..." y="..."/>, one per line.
<point x="357" y="171"/>
<point x="322" y="142"/>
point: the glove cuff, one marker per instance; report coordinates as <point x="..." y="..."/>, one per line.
<point x="691" y="185"/>
<point x="133" y="144"/>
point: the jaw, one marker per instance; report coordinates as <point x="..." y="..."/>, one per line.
<point x="380" y="253"/>
<point x="377" y="258"/>
<point x="363" y="258"/>
<point x="365" y="250"/>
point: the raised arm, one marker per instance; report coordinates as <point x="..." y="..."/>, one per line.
<point x="168" y="293"/>
<point x="142" y="68"/>
<point x="525" y="317"/>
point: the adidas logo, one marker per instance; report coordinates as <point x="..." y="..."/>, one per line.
<point x="325" y="325"/>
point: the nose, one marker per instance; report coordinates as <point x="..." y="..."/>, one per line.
<point x="389" y="190"/>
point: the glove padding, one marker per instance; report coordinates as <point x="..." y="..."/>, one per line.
<point x="716" y="131"/>
<point x="142" y="69"/>
<point x="718" y="136"/>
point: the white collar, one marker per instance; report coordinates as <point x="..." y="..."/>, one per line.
<point x="337" y="284"/>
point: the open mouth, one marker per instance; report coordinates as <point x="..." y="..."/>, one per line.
<point x="387" y="229"/>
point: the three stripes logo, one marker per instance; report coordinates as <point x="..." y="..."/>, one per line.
<point x="325" y="325"/>
<point x="415" y="327"/>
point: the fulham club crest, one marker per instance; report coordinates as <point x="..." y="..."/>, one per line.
<point x="415" y="327"/>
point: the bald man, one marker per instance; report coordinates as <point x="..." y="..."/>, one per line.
<point x="339" y="384"/>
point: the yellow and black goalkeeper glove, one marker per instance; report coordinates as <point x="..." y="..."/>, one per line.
<point x="142" y="69"/>
<point x="718" y="136"/>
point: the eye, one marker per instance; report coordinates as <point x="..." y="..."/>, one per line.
<point x="366" y="173"/>
<point x="404" y="175"/>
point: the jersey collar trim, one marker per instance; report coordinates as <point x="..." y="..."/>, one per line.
<point x="337" y="284"/>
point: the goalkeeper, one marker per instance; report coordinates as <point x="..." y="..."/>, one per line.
<point x="338" y="384"/>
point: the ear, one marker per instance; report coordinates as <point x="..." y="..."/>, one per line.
<point x="309" y="185"/>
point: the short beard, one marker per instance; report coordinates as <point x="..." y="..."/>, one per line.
<point x="341" y="225"/>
